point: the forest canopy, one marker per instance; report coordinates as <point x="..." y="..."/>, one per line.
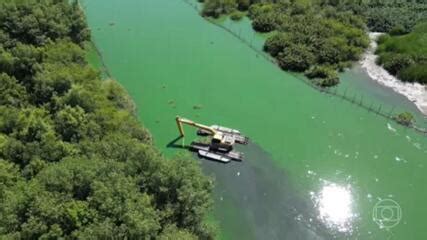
<point x="74" y="161"/>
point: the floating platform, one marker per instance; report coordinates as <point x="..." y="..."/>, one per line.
<point x="213" y="156"/>
<point x="205" y="151"/>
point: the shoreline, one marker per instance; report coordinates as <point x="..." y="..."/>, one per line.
<point x="415" y="92"/>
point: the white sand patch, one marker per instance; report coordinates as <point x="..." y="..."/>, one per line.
<point x="415" y="92"/>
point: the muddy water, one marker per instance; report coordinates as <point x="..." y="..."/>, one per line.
<point x="266" y="199"/>
<point x="317" y="166"/>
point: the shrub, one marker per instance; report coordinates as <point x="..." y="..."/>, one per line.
<point x="323" y="76"/>
<point x="329" y="81"/>
<point x="414" y="73"/>
<point x="296" y="57"/>
<point x="397" y="62"/>
<point x="405" y="118"/>
<point x="264" y="23"/>
<point x="236" y="15"/>
<point x="276" y="43"/>
<point x="215" y="8"/>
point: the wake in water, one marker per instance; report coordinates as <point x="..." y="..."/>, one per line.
<point x="415" y="92"/>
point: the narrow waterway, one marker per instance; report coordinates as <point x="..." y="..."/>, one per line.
<point x="317" y="165"/>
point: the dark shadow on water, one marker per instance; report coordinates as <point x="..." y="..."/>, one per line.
<point x="174" y="144"/>
<point x="266" y="204"/>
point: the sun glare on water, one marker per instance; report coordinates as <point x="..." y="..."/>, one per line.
<point x="335" y="207"/>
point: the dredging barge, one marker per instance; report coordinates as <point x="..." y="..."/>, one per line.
<point x="222" y="139"/>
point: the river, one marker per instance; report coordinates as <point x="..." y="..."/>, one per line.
<point x="317" y="167"/>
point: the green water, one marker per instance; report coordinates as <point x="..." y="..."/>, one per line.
<point x="304" y="142"/>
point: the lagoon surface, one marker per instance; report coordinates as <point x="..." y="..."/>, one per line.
<point x="317" y="167"/>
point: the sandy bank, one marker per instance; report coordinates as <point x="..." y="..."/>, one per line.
<point x="415" y="92"/>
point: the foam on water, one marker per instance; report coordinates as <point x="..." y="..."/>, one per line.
<point x="390" y="127"/>
<point x="415" y="92"/>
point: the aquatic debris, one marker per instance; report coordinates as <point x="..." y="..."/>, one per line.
<point x="238" y="173"/>
<point x="112" y="24"/>
<point x="197" y="107"/>
<point x="172" y="103"/>
<point x="391" y="128"/>
<point x="337" y="152"/>
<point x="417" y="145"/>
<point x="398" y="159"/>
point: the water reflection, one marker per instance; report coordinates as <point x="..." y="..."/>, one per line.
<point x="335" y="207"/>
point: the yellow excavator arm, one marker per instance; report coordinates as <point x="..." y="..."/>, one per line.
<point x="180" y="121"/>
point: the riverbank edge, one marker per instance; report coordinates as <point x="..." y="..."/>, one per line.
<point x="330" y="91"/>
<point x="414" y="92"/>
<point x="210" y="219"/>
<point x="90" y="46"/>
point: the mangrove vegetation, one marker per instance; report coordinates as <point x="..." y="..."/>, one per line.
<point x="405" y="56"/>
<point x="74" y="161"/>
<point x="321" y="37"/>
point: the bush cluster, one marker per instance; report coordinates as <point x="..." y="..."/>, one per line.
<point x="306" y="33"/>
<point x="405" y="56"/>
<point x="330" y="32"/>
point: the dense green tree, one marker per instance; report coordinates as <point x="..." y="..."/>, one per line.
<point x="214" y="8"/>
<point x="296" y="57"/>
<point x="405" y="118"/>
<point x="71" y="123"/>
<point x="75" y="163"/>
<point x="35" y="23"/>
<point x="243" y="5"/>
<point x="276" y="44"/>
<point x="173" y="233"/>
<point x="12" y="93"/>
